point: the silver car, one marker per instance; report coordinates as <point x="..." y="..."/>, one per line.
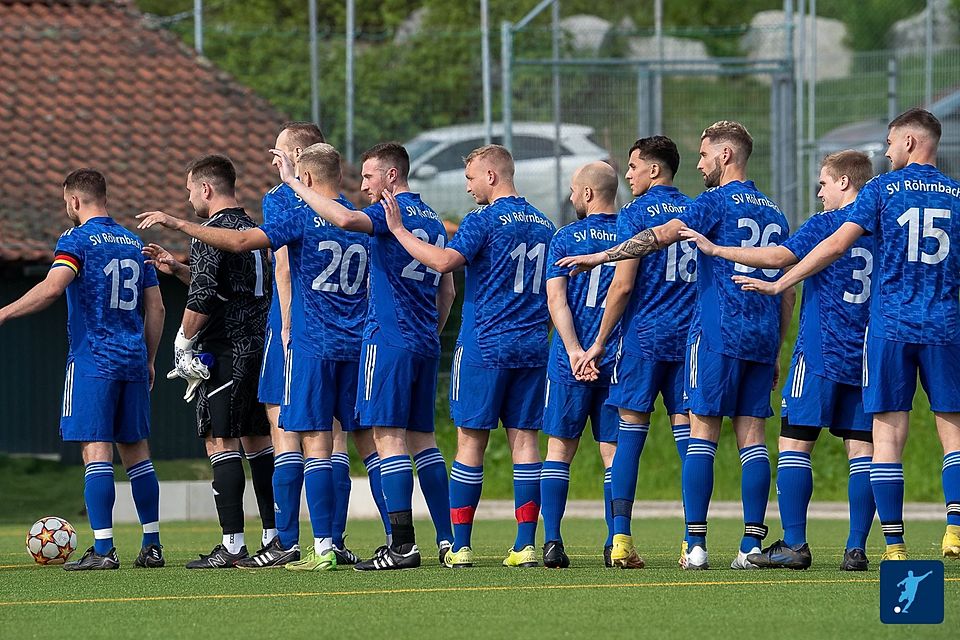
<point x="436" y="165"/>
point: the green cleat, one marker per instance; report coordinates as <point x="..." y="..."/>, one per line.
<point x="313" y="562"/>
<point x="526" y="557"/>
<point x="458" y="559"/>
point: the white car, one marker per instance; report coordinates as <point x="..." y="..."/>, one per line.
<point x="436" y="165"/>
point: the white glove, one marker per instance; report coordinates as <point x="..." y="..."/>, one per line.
<point x="182" y="357"/>
<point x="198" y="372"/>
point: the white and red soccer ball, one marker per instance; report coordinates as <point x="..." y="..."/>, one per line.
<point x="51" y="540"/>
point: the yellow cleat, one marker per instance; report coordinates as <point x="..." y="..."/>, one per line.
<point x="526" y="557"/>
<point x="895" y="552"/>
<point x="683" y="554"/>
<point x="624" y="554"/>
<point x="458" y="559"/>
<point x="951" y="542"/>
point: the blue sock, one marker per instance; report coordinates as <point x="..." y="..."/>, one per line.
<point x="432" y="473"/>
<point x="554" y="485"/>
<point x="318" y="484"/>
<point x="754" y="492"/>
<point x="886" y="478"/>
<point x="623" y="476"/>
<point x="372" y="463"/>
<point x="466" y="483"/>
<point x="99" y="494"/>
<point x="794" y="489"/>
<point x="607" y="504"/>
<point x="526" y="500"/>
<point x="681" y="436"/>
<point x="697" y="488"/>
<point x="287" y="486"/>
<point x="951" y="486"/>
<point x="396" y="474"/>
<point x="341" y="492"/>
<point x="862" y="506"/>
<point x="146" y="496"/>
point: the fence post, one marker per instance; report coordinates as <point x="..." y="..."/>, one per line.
<point x="644" y="128"/>
<point x="506" y="64"/>
<point x="892" y="88"/>
<point x="351" y="28"/>
<point x="555" y="49"/>
<point x="485" y="71"/>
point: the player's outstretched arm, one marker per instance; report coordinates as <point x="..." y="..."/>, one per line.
<point x="822" y="256"/>
<point x="153" y="315"/>
<point x="437" y="258"/>
<point x="446" y="293"/>
<point x="640" y="245"/>
<point x="562" y="319"/>
<point x="618" y="295"/>
<point x="40" y="296"/>
<point x="164" y="262"/>
<point x="771" y="257"/>
<point x="327" y="208"/>
<point x="225" y="239"/>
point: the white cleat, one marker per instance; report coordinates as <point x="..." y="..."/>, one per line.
<point x="741" y="562"/>
<point x="695" y="559"/>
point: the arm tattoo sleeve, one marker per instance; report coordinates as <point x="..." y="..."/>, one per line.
<point x="638" y="246"/>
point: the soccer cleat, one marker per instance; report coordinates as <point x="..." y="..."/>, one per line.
<point x="607" y="550"/>
<point x="624" y="555"/>
<point x="444" y="547"/>
<point x="151" y="557"/>
<point x="854" y="560"/>
<point x="741" y="561"/>
<point x="272" y="555"/>
<point x="219" y="558"/>
<point x="93" y="561"/>
<point x="526" y="557"/>
<point x="779" y="555"/>
<point x="387" y="558"/>
<point x="314" y="562"/>
<point x="458" y="559"/>
<point x="345" y="556"/>
<point x="683" y="554"/>
<point x="895" y="552"/>
<point x="951" y="542"/>
<point x="554" y="557"/>
<point x="696" y="559"/>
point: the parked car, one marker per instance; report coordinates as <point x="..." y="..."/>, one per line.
<point x="870" y="137"/>
<point x="436" y="164"/>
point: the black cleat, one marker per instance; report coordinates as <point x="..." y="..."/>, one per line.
<point x="93" y="561"/>
<point x="607" y="561"/>
<point x="554" y="556"/>
<point x="781" y="556"/>
<point x="444" y="546"/>
<point x="345" y="556"/>
<point x="219" y="558"/>
<point x="151" y="557"/>
<point x="854" y="560"/>
<point x="386" y="558"/>
<point x="272" y="555"/>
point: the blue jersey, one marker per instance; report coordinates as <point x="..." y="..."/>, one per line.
<point x="914" y="214"/>
<point x="586" y="293"/>
<point x="105" y="300"/>
<point x="732" y="322"/>
<point x="277" y="205"/>
<point x="665" y="292"/>
<point x="834" y="310"/>
<point x="328" y="276"/>
<point x="403" y="292"/>
<point x="505" y="300"/>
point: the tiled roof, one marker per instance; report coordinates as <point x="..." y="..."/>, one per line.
<point x="91" y="83"/>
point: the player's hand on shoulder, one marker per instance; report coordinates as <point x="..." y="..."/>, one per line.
<point x="705" y="247"/>
<point x="149" y="218"/>
<point x="392" y="211"/>
<point x="582" y="263"/>
<point x="758" y="286"/>
<point x="284" y="165"/>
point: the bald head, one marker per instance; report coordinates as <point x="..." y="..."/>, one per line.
<point x="593" y="189"/>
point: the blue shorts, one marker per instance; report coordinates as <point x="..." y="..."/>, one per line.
<point x="890" y="375"/>
<point x="568" y="406"/>
<point x="481" y="398"/>
<point x="811" y="400"/>
<point x="102" y="410"/>
<point x="396" y="388"/>
<point x="316" y="391"/>
<point x="270" y="389"/>
<point x="720" y="385"/>
<point x="636" y="382"/>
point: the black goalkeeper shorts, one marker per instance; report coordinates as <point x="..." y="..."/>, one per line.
<point x="227" y="404"/>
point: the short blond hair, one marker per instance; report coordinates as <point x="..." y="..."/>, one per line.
<point x="853" y="164"/>
<point x="733" y="133"/>
<point x="322" y="161"/>
<point x="497" y="155"/>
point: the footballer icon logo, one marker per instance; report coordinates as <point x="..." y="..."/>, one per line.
<point x="911" y="592"/>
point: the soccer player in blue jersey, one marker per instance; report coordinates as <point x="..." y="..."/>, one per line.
<point x="576" y="306"/>
<point x="823" y="388"/>
<point x="657" y="295"/>
<point x="734" y="343"/>
<point x="114" y="320"/>
<point x="912" y="213"/>
<point x="499" y="366"/>
<point x="409" y="304"/>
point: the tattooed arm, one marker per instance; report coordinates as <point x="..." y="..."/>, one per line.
<point x="640" y="245"/>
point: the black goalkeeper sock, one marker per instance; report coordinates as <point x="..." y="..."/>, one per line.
<point x="261" y="472"/>
<point x="228" y="483"/>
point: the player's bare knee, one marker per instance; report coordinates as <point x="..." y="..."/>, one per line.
<point x="524" y="445"/>
<point x="96" y="452"/>
<point x="858" y="448"/>
<point x="217" y="445"/>
<point x="948" y="427"/>
<point x="634" y="417"/>
<point x="363" y="441"/>
<point x="705" y="427"/>
<point x="317" y="444"/>
<point x="749" y="430"/>
<point x="607" y="451"/>
<point x="132" y="453"/>
<point x="561" y="449"/>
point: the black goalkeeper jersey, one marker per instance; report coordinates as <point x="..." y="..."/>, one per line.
<point x="232" y="289"/>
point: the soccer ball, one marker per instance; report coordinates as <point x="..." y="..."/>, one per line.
<point x="51" y="540"/>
